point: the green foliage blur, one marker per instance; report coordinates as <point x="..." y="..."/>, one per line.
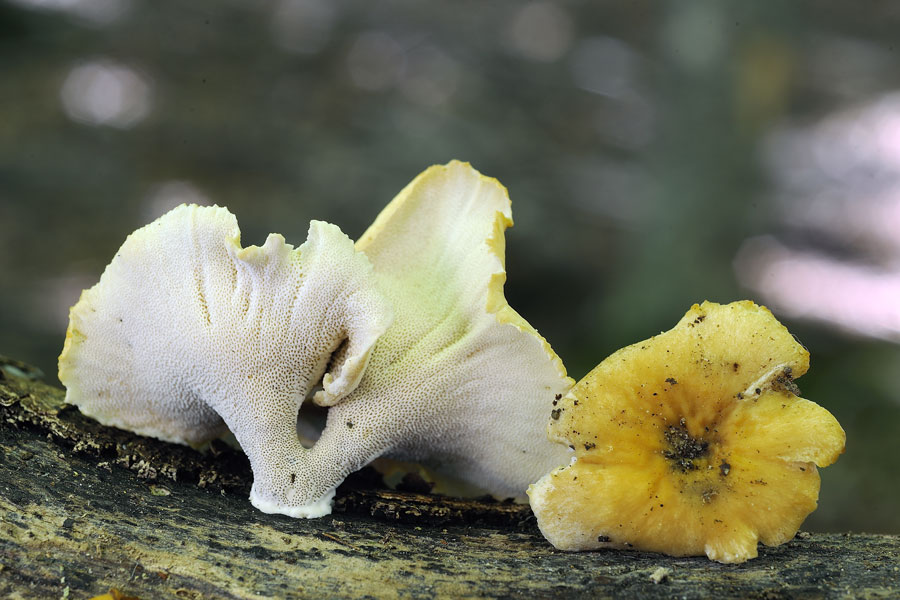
<point x="632" y="136"/>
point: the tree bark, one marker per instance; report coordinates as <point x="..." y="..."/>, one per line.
<point x="85" y="509"/>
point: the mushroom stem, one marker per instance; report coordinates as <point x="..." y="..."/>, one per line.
<point x="291" y="480"/>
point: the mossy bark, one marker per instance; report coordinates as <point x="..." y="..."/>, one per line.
<point x="85" y="508"/>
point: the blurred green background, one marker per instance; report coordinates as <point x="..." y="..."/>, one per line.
<point x="657" y="154"/>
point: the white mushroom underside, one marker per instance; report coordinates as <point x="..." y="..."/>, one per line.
<point x="186" y="329"/>
<point x="212" y="331"/>
<point x="460" y="381"/>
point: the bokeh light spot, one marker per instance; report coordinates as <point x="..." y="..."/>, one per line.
<point x="89" y="12"/>
<point x="102" y="92"/>
<point x="169" y="194"/>
<point x="540" y="31"/>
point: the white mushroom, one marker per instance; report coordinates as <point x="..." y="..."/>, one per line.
<point x="460" y="381"/>
<point x="187" y="332"/>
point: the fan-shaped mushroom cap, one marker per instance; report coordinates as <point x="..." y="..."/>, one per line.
<point x="459" y="381"/>
<point x="187" y="332"/>
<point x="691" y="442"/>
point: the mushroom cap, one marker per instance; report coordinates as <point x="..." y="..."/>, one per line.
<point x="460" y="381"/>
<point x="187" y="332"/>
<point x="691" y="442"/>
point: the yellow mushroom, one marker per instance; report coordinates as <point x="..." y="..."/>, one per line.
<point x="692" y="442"/>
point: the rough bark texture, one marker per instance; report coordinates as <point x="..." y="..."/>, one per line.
<point x="84" y="509"/>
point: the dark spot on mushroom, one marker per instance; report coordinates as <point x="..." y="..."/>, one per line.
<point x="349" y="424"/>
<point x="683" y="449"/>
<point x="589" y="445"/>
<point x="758" y="391"/>
<point x="784" y="382"/>
<point x="558" y="396"/>
<point x="603" y="539"/>
<point x="554" y="414"/>
<point x="736" y="366"/>
<point x="671" y="380"/>
<point x="697" y="321"/>
<point x="293" y="477"/>
<point x="724" y="468"/>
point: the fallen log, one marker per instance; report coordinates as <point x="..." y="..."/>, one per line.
<point x="85" y="509"/>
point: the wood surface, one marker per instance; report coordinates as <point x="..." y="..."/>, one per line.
<point x="85" y="509"/>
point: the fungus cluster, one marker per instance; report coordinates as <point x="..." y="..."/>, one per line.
<point x="692" y="442"/>
<point x="188" y="334"/>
